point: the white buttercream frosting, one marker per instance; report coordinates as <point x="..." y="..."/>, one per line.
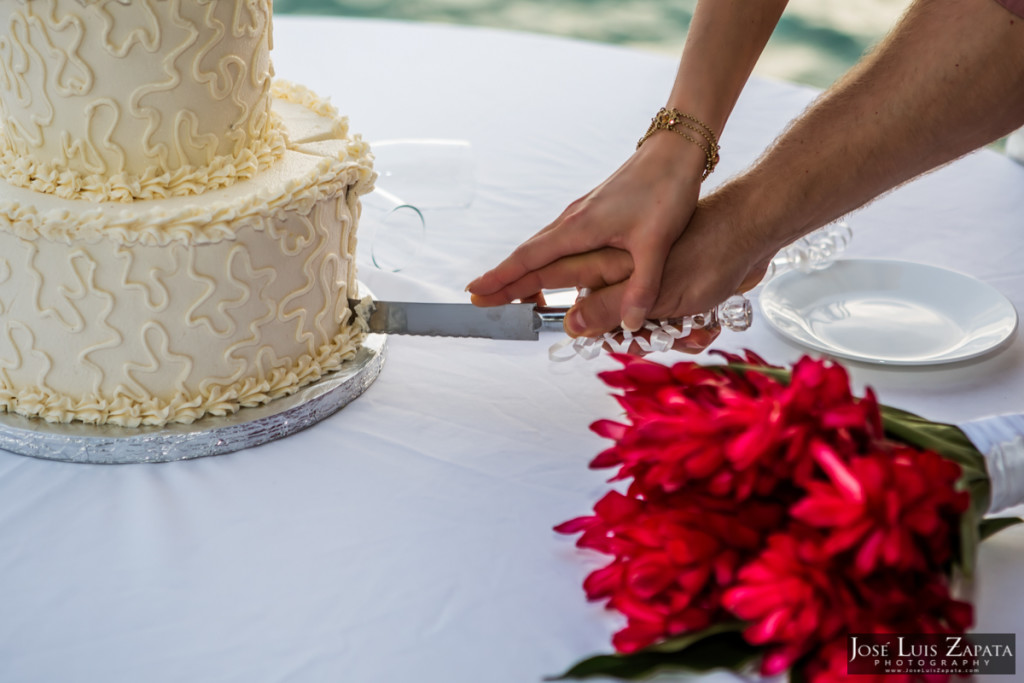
<point x="170" y="309"/>
<point x="118" y="100"/>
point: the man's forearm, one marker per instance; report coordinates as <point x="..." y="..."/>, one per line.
<point x="948" y="79"/>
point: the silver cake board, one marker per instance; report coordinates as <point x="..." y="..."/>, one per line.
<point x="109" y="444"/>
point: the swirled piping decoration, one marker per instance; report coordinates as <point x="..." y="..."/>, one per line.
<point x="151" y="184"/>
<point x="169" y="310"/>
<point x="112" y="100"/>
<point x="219" y="400"/>
<point x="218" y="214"/>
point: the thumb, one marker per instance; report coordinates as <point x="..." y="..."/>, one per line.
<point x="642" y="287"/>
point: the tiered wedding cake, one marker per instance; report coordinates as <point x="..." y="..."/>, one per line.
<point x="177" y="231"/>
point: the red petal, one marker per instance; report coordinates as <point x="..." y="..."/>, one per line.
<point x="609" y="458"/>
<point x="703" y="461"/>
<point x="603" y="582"/>
<point x="616" y="379"/>
<point x="639" y="610"/>
<point x="689" y="620"/>
<point x="766" y="630"/>
<point x="636" y="637"/>
<point x="746" y="448"/>
<point x="727" y="356"/>
<point x="849" y="416"/>
<point x="648" y="578"/>
<point x="822" y="511"/>
<point x="694" y="580"/>
<point x="725" y="567"/>
<point x="648" y="372"/>
<point x="596" y="538"/>
<point x="576" y="525"/>
<point x="898" y="550"/>
<point x="609" y="429"/>
<point x="780" y="660"/>
<point x="837" y="471"/>
<point x="693" y="547"/>
<point x="750" y="602"/>
<point x="615" y="507"/>
<point x="754" y="359"/>
<point x="867" y="556"/>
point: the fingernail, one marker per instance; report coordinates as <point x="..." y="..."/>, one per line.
<point x="634" y="319"/>
<point x="574" y="323"/>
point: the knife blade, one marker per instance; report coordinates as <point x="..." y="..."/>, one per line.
<point x="511" y="321"/>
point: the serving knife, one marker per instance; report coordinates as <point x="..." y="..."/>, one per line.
<point x="511" y="321"/>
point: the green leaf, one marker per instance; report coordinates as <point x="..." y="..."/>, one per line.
<point x="778" y="374"/>
<point x="689" y="639"/>
<point x="992" y="526"/>
<point x="945" y="439"/>
<point x="719" y="647"/>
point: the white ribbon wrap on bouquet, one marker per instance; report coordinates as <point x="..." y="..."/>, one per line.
<point x="1006" y="470"/>
<point x="1001" y="439"/>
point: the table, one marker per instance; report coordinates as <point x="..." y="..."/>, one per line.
<point x="408" y="537"/>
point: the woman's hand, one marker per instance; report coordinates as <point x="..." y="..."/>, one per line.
<point x="640" y="211"/>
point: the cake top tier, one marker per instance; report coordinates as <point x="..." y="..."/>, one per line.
<point x="135" y="99"/>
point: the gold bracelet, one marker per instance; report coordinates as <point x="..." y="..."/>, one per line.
<point x="674" y="120"/>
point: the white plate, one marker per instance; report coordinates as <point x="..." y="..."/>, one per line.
<point x="890" y="312"/>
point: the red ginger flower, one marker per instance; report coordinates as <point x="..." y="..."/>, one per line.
<point x="896" y="507"/>
<point x="797" y="600"/>
<point x="673" y="557"/>
<point x="791" y="600"/>
<point x="727" y="432"/>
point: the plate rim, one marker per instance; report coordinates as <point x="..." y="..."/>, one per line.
<point x="823" y="347"/>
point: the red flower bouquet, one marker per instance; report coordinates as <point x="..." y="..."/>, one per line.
<point x="764" y="515"/>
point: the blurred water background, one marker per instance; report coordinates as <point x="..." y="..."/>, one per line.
<point x="816" y="40"/>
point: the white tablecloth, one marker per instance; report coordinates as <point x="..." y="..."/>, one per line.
<point x="408" y="537"/>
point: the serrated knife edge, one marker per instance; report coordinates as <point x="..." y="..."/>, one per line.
<point x="511" y="321"/>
